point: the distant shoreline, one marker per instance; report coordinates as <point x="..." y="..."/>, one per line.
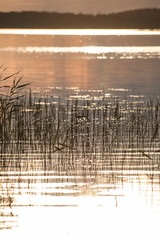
<point x="134" y="19"/>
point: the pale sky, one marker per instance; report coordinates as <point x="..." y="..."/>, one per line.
<point x="77" y="6"/>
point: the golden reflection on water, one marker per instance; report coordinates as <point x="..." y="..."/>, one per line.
<point x="88" y="49"/>
<point x="80" y="31"/>
<point x="70" y="58"/>
<point x="42" y="208"/>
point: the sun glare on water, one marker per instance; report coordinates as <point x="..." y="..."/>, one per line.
<point x="95" y="217"/>
<point x="80" y="32"/>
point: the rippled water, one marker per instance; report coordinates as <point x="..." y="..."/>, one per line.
<point x="75" y="205"/>
<point x="98" y="194"/>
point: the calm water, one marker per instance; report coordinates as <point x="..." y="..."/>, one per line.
<point x="117" y="196"/>
<point x="96" y="59"/>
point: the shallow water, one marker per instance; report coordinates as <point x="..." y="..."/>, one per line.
<point x="79" y="198"/>
<point x="76" y="205"/>
<point x="86" y="192"/>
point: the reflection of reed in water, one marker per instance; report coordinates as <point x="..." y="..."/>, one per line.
<point x="6" y="201"/>
<point x="7" y="215"/>
<point x="85" y="169"/>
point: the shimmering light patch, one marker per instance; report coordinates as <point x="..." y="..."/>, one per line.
<point x="87" y="49"/>
<point x="114" y="219"/>
<point x="111" y="52"/>
<point x="77" y="224"/>
<point x="86" y="32"/>
<point x="118" y="89"/>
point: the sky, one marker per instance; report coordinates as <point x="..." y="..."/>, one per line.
<point x="77" y="6"/>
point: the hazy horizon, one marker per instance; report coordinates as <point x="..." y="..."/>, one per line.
<point x="66" y="12"/>
<point x="77" y="6"/>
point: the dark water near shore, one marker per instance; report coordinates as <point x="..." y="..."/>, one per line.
<point x="109" y="189"/>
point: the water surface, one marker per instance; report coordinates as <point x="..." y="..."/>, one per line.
<point x="109" y="188"/>
<point x="96" y="59"/>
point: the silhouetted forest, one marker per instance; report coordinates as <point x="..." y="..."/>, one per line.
<point x="141" y="19"/>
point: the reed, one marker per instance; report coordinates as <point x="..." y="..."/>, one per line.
<point x="71" y="133"/>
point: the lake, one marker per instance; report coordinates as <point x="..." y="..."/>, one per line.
<point x="79" y="156"/>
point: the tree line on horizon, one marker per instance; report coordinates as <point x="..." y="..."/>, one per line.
<point x="141" y="18"/>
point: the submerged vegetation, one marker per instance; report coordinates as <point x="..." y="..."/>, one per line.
<point x="70" y="131"/>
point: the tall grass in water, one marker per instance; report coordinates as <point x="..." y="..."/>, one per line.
<point x="9" y="105"/>
<point x="53" y="132"/>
